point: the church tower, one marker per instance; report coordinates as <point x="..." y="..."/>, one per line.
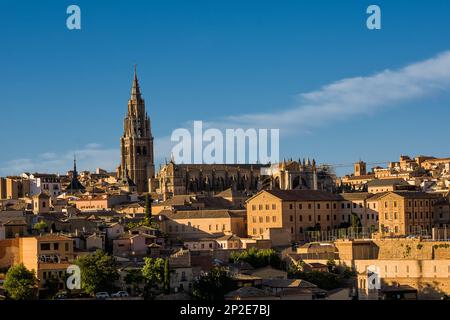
<point x="136" y="144"/>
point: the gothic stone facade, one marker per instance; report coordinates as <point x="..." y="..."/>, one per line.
<point x="136" y="143"/>
<point x="177" y="179"/>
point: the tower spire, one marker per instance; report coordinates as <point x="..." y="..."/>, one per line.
<point x="75" y="165"/>
<point x="135" y="90"/>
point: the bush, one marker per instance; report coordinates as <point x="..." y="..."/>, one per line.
<point x="257" y="258"/>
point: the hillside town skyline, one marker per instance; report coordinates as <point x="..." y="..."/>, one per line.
<point x="226" y="157"/>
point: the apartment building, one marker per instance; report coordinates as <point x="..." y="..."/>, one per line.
<point x="298" y="211"/>
<point x="195" y="224"/>
<point x="407" y="212"/>
<point x="49" y="256"/>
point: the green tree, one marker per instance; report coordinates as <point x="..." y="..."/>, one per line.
<point x="20" y="283"/>
<point x="98" y="272"/>
<point x="40" y="226"/>
<point x="324" y="280"/>
<point x="257" y="258"/>
<point x="134" y="278"/>
<point x="213" y="285"/>
<point x="52" y="286"/>
<point x="148" y="209"/>
<point x="166" y="276"/>
<point x="153" y="273"/>
<point x="331" y="264"/>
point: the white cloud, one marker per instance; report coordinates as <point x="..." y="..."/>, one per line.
<point x="351" y="97"/>
<point x="337" y="101"/>
<point x="90" y="157"/>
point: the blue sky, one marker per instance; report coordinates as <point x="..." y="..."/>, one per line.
<point x="247" y="62"/>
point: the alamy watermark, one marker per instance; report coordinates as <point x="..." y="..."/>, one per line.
<point x="373" y="277"/>
<point x="232" y="146"/>
<point x="74" y="279"/>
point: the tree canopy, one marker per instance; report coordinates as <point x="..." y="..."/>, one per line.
<point x="213" y="285"/>
<point x="20" y="283"/>
<point x="98" y="272"/>
<point x="257" y="258"/>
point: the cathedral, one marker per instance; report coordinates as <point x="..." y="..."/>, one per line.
<point x="136" y="144"/>
<point x="178" y="179"/>
<point x="137" y="169"/>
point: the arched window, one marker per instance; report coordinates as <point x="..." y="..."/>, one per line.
<point x="138" y="151"/>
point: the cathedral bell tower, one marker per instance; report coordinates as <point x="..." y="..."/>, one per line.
<point x="136" y="144"/>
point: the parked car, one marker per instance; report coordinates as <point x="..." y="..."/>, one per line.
<point x="61" y="295"/>
<point x="120" y="294"/>
<point x="102" y="295"/>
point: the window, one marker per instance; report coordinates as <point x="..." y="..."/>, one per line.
<point x="291" y="206"/>
<point x="328" y="206"/>
<point x="354" y="205"/>
<point x="267" y="219"/>
<point x="274" y="206"/>
<point x="395" y="204"/>
<point x="334" y="205"/>
<point x="342" y="206"/>
<point x="300" y="206"/>
<point x="45" y="246"/>
<point x="309" y="205"/>
<point x="300" y="218"/>
<point x="348" y="205"/>
<point x="253" y="207"/>
<point x="210" y="227"/>
<point x="334" y="217"/>
<point x="261" y="220"/>
<point x="274" y="219"/>
<point x="318" y="217"/>
<point x="260" y="207"/>
<point x="56" y="246"/>
<point x="318" y="206"/>
<point x="301" y="231"/>
<point x="66" y="246"/>
<point x="254" y="230"/>
<point x="291" y="218"/>
<point x="267" y="207"/>
<point x="328" y="217"/>
<point x="253" y="219"/>
<point x="309" y="218"/>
